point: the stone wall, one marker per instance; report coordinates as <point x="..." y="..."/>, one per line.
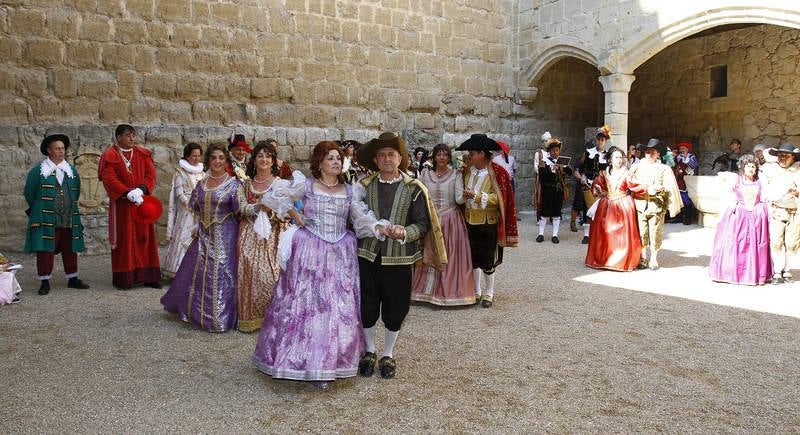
<point x="297" y="70"/>
<point x="671" y="95"/>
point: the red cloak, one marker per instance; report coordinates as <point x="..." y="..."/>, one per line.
<point x="507" y="234"/>
<point x="134" y="247"/>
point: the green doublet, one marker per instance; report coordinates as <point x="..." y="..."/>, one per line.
<point x="52" y="206"/>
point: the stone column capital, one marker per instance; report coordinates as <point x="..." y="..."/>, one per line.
<point x="617" y="82"/>
<point x="526" y="94"/>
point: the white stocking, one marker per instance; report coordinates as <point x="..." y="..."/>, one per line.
<point x="542" y="223"/>
<point x="369" y="339"/>
<point x="489" y="284"/>
<point x="390" y="340"/>
<point x="476" y="276"/>
<point x="556" y="225"/>
<point x="585" y="230"/>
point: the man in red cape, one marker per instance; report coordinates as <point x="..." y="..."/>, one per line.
<point x="128" y="173"/>
<point x="490" y="212"/>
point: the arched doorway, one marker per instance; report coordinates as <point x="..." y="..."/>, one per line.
<point x="739" y="81"/>
<point x="570" y="99"/>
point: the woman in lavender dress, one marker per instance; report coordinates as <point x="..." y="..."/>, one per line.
<point x="741" y="252"/>
<point x="204" y="289"/>
<point x="312" y="328"/>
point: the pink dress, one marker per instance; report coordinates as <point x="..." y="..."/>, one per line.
<point x="741" y="246"/>
<point x="453" y="285"/>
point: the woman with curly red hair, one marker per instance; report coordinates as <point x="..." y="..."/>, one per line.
<point x="312" y="328"/>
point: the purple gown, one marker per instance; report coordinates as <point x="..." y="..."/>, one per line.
<point x="741" y="246"/>
<point x="312" y="328"/>
<point x="204" y="289"/>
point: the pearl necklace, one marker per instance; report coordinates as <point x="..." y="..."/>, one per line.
<point x="329" y="186"/>
<point x="261" y="181"/>
<point x="224" y="174"/>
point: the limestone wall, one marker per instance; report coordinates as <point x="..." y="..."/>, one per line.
<point x="297" y="70"/>
<point x="670" y="96"/>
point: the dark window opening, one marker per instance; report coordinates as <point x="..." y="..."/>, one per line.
<point x="719" y="81"/>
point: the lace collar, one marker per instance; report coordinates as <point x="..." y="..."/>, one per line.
<point x="188" y="167"/>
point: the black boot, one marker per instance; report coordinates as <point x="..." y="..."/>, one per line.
<point x="44" y="288"/>
<point x="74" y="282"/>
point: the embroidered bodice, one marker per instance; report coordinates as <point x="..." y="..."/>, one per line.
<point x="747" y="193"/>
<point x="326" y="215"/>
<point x="446" y="192"/>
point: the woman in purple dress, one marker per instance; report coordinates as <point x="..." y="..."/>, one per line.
<point x="741" y="247"/>
<point x="312" y="328"/>
<point x="204" y="289"/>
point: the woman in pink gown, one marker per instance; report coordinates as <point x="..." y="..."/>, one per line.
<point x="454" y="284"/>
<point x="741" y="252"/>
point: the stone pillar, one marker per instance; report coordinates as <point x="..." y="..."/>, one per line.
<point x="617" y="86"/>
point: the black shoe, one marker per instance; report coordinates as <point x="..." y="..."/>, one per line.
<point x="74" y="282"/>
<point x="366" y="366"/>
<point x="554" y="239"/>
<point x="539" y="238"/>
<point x="388" y="367"/>
<point x="777" y="280"/>
<point x="641" y="266"/>
<point x="788" y="279"/>
<point x="585" y="240"/>
<point x="44" y="288"/>
<point x="487" y="301"/>
<point x="16" y="300"/>
<point x="154" y="284"/>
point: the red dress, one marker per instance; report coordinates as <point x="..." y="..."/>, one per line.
<point x="614" y="241"/>
<point x="134" y="247"/>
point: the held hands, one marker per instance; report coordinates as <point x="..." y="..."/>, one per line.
<point x="136" y="196"/>
<point x="469" y="194"/>
<point x="298" y="218"/>
<point x="395" y="232"/>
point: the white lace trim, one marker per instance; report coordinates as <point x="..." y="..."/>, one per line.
<point x="188" y="167"/>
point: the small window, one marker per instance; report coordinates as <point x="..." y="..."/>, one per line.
<point x="719" y="81"/>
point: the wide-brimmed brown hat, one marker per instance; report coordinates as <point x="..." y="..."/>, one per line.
<point x="366" y="153"/>
<point x="553" y="143"/>
<point x="786" y="148"/>
<point x="53" y="138"/>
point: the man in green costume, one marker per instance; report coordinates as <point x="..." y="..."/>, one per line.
<point x="52" y="190"/>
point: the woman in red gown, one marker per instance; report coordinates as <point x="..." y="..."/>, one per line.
<point x="614" y="241"/>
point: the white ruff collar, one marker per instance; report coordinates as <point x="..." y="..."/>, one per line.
<point x="392" y="181"/>
<point x="593" y="151"/>
<point x="48" y="167"/>
<point x="188" y="167"/>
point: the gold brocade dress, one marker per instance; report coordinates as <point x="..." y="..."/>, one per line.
<point x="258" y="264"/>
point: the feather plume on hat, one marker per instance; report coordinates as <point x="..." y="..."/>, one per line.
<point x="546" y="137"/>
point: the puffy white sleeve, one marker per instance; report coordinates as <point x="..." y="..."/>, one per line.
<point x="364" y="221"/>
<point x="281" y="197"/>
<point x="460" y="200"/>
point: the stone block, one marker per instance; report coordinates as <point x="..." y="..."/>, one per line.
<point x="81" y="54"/>
<point x="264" y="133"/>
<point x="174" y="11"/>
<point x="242" y="40"/>
<point x="44" y="52"/>
<point x="237" y="88"/>
<point x="95" y="28"/>
<point x="254" y="17"/>
<point x="176" y="112"/>
<point x="31" y="83"/>
<point x="196" y="134"/>
<point x="273" y="47"/>
<point x="395" y="121"/>
<point x="295" y="137"/>
<point x="321" y="116"/>
<point x="233" y="113"/>
<point x="296" y="5"/>
<point x="127" y="84"/>
<point x="158" y="34"/>
<point x="62" y="25"/>
<point x="97" y="85"/>
<point x="281" y="22"/>
<point x="175" y="60"/>
<point x="130" y="31"/>
<point x="27" y="22"/>
<point x="227" y="13"/>
<point x="159" y="85"/>
<point x="81" y="108"/>
<point x="143" y="9"/>
<point x="210" y="62"/>
<point x="310" y="25"/>
<point x="9" y="136"/>
<point x="145" y="59"/>
<point x="186" y="35"/>
<point x="201" y="12"/>
<point x="10" y="49"/>
<point x="115" y="110"/>
<point x="192" y="87"/>
<point x="214" y="37"/>
<point x="207" y="112"/>
<point x="7" y="81"/>
<point x="244" y="64"/>
<point x="314" y="136"/>
<point x="168" y="136"/>
<point x="423" y="121"/>
<point x="118" y="57"/>
<point x="46" y="109"/>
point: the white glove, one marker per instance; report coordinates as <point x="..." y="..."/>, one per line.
<point x="135" y="196"/>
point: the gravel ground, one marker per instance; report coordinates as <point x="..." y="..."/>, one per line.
<point x="564" y="349"/>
